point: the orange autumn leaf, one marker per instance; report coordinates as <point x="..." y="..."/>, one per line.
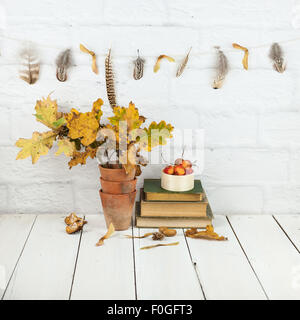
<point x="110" y="231"/>
<point x="208" y="234"/>
<point x="93" y="55"/>
<point x="246" y="54"/>
<point x="157" y="64"/>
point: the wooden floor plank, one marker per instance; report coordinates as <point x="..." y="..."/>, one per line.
<point x="223" y="269"/>
<point x="291" y="225"/>
<point x="273" y="257"/>
<point x="105" y="272"/>
<point x="165" y="272"/>
<point x="14" y="230"/>
<point x="46" y="266"/>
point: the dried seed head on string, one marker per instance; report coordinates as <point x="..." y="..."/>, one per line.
<point x="162" y="56"/>
<point x="222" y="69"/>
<point x="93" y="55"/>
<point x="138" y="70"/>
<point x="276" y="55"/>
<point x="246" y="54"/>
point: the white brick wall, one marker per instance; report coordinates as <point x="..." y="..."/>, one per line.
<point x="252" y="124"/>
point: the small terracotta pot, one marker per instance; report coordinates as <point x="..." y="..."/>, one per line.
<point x="109" y="174"/>
<point x="118" y="209"/>
<point x="118" y="187"/>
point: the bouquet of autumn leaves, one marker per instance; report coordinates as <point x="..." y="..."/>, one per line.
<point x="81" y="135"/>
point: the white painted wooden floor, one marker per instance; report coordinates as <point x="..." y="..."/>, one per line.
<point x="38" y="260"/>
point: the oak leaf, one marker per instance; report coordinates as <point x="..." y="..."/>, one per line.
<point x="38" y="145"/>
<point x="65" y="146"/>
<point x="156" y="134"/>
<point x="81" y="157"/>
<point x="130" y="115"/>
<point x="46" y="113"/>
<point x="84" y="125"/>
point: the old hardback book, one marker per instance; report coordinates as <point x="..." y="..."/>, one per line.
<point x="154" y="192"/>
<point x="175" y="222"/>
<point x="191" y="209"/>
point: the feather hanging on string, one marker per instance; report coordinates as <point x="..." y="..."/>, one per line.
<point x="63" y="62"/>
<point x="109" y="77"/>
<point x="138" y="70"/>
<point x="222" y="69"/>
<point x="30" y="65"/>
<point x="246" y="54"/>
<point x="276" y="55"/>
<point x="183" y="64"/>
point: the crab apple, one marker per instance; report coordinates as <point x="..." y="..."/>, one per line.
<point x="187" y="164"/>
<point x="189" y="170"/>
<point x="179" y="170"/>
<point x="169" y="170"/>
<point x="178" y="161"/>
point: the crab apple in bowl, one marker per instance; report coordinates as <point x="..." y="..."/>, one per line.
<point x="179" y="170"/>
<point x="189" y="170"/>
<point x="169" y="170"/>
<point x="186" y="164"/>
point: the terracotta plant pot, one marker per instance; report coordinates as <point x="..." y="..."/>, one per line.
<point x="118" y="187"/>
<point x="118" y="208"/>
<point x="116" y="174"/>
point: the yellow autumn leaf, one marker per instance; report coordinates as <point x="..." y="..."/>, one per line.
<point x="37" y="146"/>
<point x="83" y="126"/>
<point x="97" y="108"/>
<point x="46" y="113"/>
<point x="81" y="157"/>
<point x="156" y="134"/>
<point x="130" y="115"/>
<point x="246" y="54"/>
<point x="157" y="64"/>
<point x="93" y="55"/>
<point x="110" y="231"/>
<point x="65" y="146"/>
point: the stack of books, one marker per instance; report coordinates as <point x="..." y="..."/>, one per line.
<point x="161" y="208"/>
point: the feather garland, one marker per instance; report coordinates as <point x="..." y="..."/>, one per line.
<point x="222" y="69"/>
<point x="183" y="64"/>
<point x="30" y="65"/>
<point x="276" y="55"/>
<point x="63" y="62"/>
<point x="109" y="77"/>
<point x="138" y="70"/>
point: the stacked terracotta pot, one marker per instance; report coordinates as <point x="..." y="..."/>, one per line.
<point x="117" y="193"/>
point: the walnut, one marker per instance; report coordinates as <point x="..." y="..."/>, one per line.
<point x="158" y="236"/>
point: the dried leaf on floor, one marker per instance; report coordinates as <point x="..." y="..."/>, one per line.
<point x="168" y="232"/>
<point x="160" y="245"/>
<point x="110" y="231"/>
<point x="208" y="234"/>
<point x="140" y="237"/>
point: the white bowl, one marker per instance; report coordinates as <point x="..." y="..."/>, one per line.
<point x="172" y="182"/>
